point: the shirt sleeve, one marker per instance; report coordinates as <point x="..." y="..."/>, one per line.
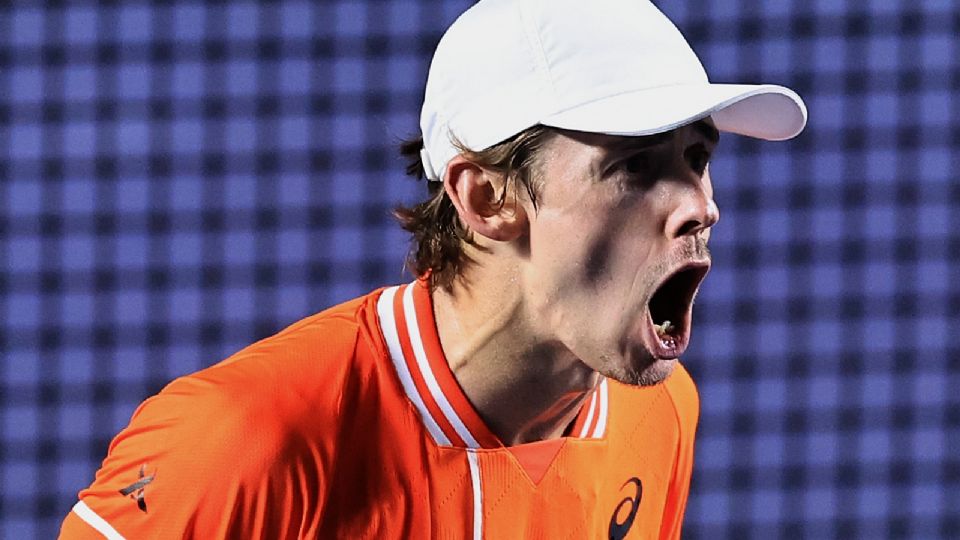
<point x="204" y="459"/>
<point x="683" y="391"/>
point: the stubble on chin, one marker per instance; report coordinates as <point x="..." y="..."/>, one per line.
<point x="656" y="373"/>
<point x="640" y="368"/>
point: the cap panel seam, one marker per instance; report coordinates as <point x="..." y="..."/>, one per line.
<point x="536" y="44"/>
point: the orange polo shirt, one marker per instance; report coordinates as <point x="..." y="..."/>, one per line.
<point x="350" y="424"/>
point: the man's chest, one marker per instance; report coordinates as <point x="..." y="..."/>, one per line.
<point x="576" y="489"/>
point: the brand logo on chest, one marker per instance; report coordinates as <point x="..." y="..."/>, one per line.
<point x="626" y="511"/>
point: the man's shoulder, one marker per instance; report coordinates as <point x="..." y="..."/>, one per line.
<point x="330" y="332"/>
<point x="299" y="368"/>
<point x="284" y="391"/>
<point x="321" y="341"/>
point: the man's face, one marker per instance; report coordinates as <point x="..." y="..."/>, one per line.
<point x="618" y="246"/>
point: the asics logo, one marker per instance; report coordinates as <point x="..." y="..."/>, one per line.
<point x="620" y="523"/>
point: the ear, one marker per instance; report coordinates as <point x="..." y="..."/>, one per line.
<point x="475" y="193"/>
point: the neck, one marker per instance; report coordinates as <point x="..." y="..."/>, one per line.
<point x="525" y="386"/>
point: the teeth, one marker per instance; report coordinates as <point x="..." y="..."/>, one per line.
<point x="664" y="328"/>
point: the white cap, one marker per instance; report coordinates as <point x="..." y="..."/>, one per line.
<point x="618" y="67"/>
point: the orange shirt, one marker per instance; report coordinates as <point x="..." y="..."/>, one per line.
<point x="350" y="424"/>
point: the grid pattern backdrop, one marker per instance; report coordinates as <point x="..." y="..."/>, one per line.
<point x="178" y="179"/>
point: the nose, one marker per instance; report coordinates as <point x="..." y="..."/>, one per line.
<point x="694" y="210"/>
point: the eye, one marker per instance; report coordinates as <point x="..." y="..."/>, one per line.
<point x="639" y="170"/>
<point x="636" y="164"/>
<point x="698" y="157"/>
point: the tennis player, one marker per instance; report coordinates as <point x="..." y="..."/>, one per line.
<point x="526" y="384"/>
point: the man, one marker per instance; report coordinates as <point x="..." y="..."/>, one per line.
<point x="526" y="384"/>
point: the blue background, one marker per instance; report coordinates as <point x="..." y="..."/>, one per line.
<point x="180" y="179"/>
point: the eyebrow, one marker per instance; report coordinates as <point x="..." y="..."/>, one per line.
<point x="645" y="141"/>
<point x="627" y="144"/>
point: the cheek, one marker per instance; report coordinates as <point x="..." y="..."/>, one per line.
<point x="590" y="263"/>
<point x="595" y="235"/>
<point x="564" y="226"/>
<point x="561" y="245"/>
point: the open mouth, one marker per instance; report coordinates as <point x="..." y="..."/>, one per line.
<point x="670" y="310"/>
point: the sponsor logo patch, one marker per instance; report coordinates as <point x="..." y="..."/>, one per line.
<point x="137" y="490"/>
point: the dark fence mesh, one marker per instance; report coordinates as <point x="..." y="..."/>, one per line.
<point x="178" y="179"/>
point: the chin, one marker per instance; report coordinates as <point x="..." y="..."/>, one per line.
<point x="656" y="373"/>
<point x="649" y="371"/>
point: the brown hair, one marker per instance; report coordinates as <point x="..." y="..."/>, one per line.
<point x="438" y="233"/>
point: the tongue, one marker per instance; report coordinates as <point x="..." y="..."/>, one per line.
<point x="663" y="332"/>
<point x="665" y="328"/>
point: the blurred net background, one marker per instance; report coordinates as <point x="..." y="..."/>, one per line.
<point x="179" y="179"/>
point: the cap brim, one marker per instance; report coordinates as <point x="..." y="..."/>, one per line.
<point x="770" y="112"/>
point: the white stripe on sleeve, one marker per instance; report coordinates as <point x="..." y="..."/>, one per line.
<point x="91" y="518"/>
